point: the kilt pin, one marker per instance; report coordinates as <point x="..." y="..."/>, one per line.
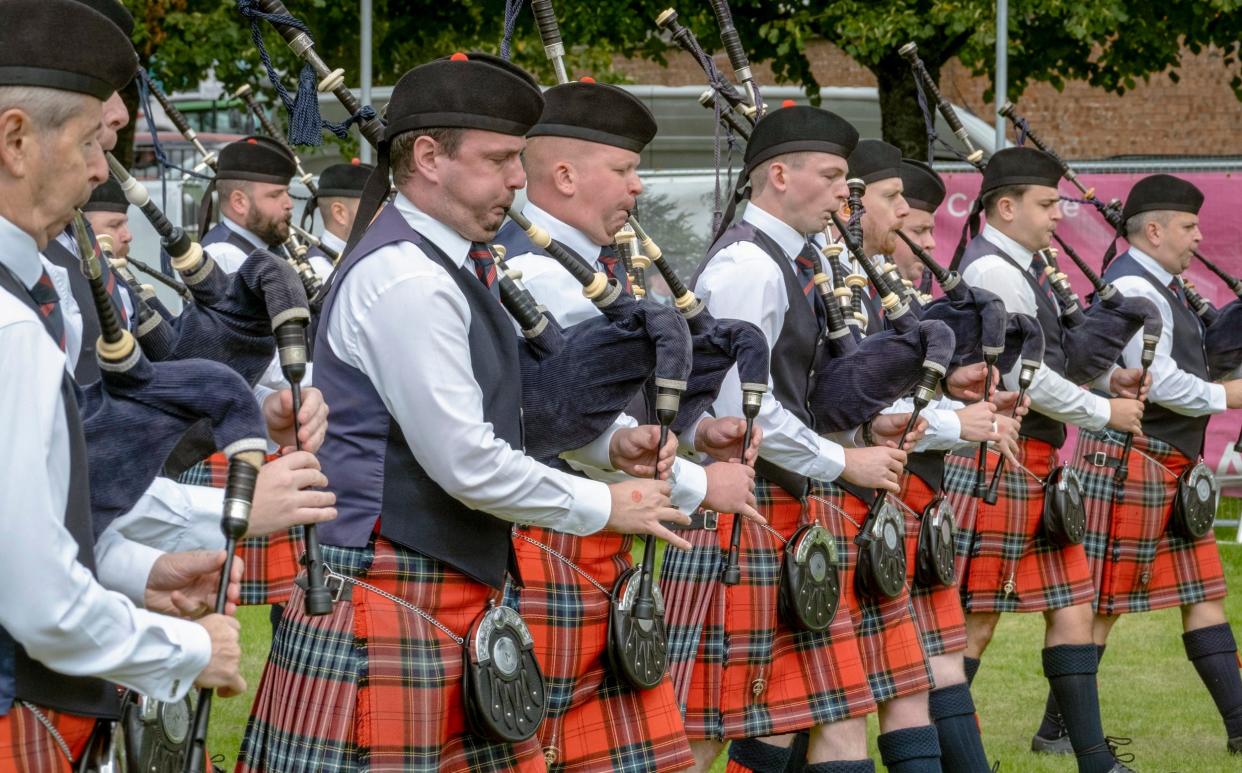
<point x="738" y="669"/>
<point x="1138" y="562"/>
<point x="1006" y="564"/>
<point x="595" y="721"/>
<point x="887" y="635"/>
<point x="374" y="686"/>
<point x="938" y="609"/>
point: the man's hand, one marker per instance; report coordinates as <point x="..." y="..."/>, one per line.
<point x="278" y="413"/>
<point x="731" y="489"/>
<point x="632" y="450"/>
<point x="187" y="583"/>
<point x="886" y="429"/>
<point x="1233" y="393"/>
<point x="965" y="383"/>
<point x="721" y="439"/>
<point x="977" y="420"/>
<point x="1006" y="401"/>
<point x="285" y="495"/>
<point x="1007" y="440"/>
<point x="1126" y="415"/>
<point x="874" y="467"/>
<point x="1124" y="382"/>
<point x="223" y="671"/>
<point x="639" y="506"/>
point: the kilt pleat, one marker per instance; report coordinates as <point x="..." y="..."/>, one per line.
<point x="270" y="565"/>
<point x="937" y="609"/>
<point x="1009" y="565"/>
<point x="26" y="746"/>
<point x="1138" y="563"/>
<point x="595" y="721"/>
<point x="740" y="671"/>
<point x="887" y="635"/>
<point x="373" y="686"/>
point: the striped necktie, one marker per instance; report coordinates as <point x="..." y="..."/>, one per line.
<point x="609" y="260"/>
<point x="45" y="295"/>
<point x="484" y="266"/>
<point x="807" y="262"/>
<point x="1038" y="265"/>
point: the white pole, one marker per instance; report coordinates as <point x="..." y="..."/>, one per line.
<point x="365" y="68"/>
<point x="1002" y="68"/>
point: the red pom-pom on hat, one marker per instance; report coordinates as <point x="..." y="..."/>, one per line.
<point x="586" y="79"/>
<point x="356" y="161"/>
<point x="788" y="103"/>
<point x="459" y="57"/>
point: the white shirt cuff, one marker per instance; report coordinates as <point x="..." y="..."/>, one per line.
<point x="592" y="506"/>
<point x="689" y="485"/>
<point x="195" y="645"/>
<point x="1100" y="415"/>
<point x="1217" y="398"/>
<point x="124" y="566"/>
<point x="831" y="461"/>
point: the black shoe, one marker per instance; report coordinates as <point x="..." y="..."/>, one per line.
<point x="1058" y="745"/>
<point x="1235" y="745"/>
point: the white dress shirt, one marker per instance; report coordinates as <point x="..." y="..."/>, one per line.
<point x="227" y="256"/>
<point x="400" y="318"/>
<point x="557" y="291"/>
<point x="321" y="265"/>
<point x="1172" y="387"/>
<point x="48" y="601"/>
<point x="742" y="282"/>
<point x="1051" y="393"/>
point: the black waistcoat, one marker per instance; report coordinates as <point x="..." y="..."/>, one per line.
<point x="1035" y="424"/>
<point x="1185" y="433"/>
<point x="796" y="353"/>
<point x="29" y="679"/>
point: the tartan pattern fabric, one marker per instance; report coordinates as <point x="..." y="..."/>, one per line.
<point x="26" y="746"/>
<point x="887" y="635"/>
<point x="373" y="686"/>
<point x="1004" y="544"/>
<point x="808" y="263"/>
<point x="212" y="471"/>
<point x="609" y="259"/>
<point x="270" y="564"/>
<point x="595" y="721"/>
<point x="484" y="265"/>
<point x="1137" y="561"/>
<point x="738" y="669"/>
<point x="937" y="610"/>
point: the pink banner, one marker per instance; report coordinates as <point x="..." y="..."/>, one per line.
<point x="1085" y="229"/>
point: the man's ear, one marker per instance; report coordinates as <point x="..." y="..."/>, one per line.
<point x="565" y="178"/>
<point x="16" y="140"/>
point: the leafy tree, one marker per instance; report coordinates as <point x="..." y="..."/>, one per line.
<point x="1108" y="43"/>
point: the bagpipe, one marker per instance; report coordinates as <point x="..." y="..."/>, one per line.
<point x="1223" y="327"/>
<point x="295" y="251"/>
<point x="133" y="418"/>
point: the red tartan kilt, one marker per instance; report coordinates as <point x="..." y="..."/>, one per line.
<point x="1007" y="545"/>
<point x="1138" y="562"/>
<point x="938" y="609"/>
<point x="26" y="746"/>
<point x="739" y="670"/>
<point x="594" y="720"/>
<point x="887" y="635"/>
<point x="373" y="685"/>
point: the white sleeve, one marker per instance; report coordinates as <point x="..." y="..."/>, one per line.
<point x="49" y="602"/>
<point x="741" y="282"/>
<point x="1172" y="387"/>
<point x="427" y="384"/>
<point x="1051" y="393"/>
<point x="226" y="256"/>
<point x="173" y="517"/>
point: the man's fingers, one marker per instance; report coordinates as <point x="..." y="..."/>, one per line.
<point x="669" y="536"/>
<point x="314" y="514"/>
<point x="308" y="478"/>
<point x="751" y="513"/>
<point x="235" y="687"/>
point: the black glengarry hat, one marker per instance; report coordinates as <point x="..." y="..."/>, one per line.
<point x="799" y="128"/>
<point x="1162" y="193"/>
<point x="921" y="185"/>
<point x="117" y="13"/>
<point x="256" y="159"/>
<point x="875" y="160"/>
<point x="474" y="91"/>
<point x="595" y="112"/>
<point x="63" y="45"/>
<point x="108" y="197"/>
<point x="344" y="180"/>
<point x="1020" y="166"/>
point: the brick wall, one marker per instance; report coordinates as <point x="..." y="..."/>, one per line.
<point x="1197" y="116"/>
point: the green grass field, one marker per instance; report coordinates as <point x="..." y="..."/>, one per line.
<point x="1149" y="691"/>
